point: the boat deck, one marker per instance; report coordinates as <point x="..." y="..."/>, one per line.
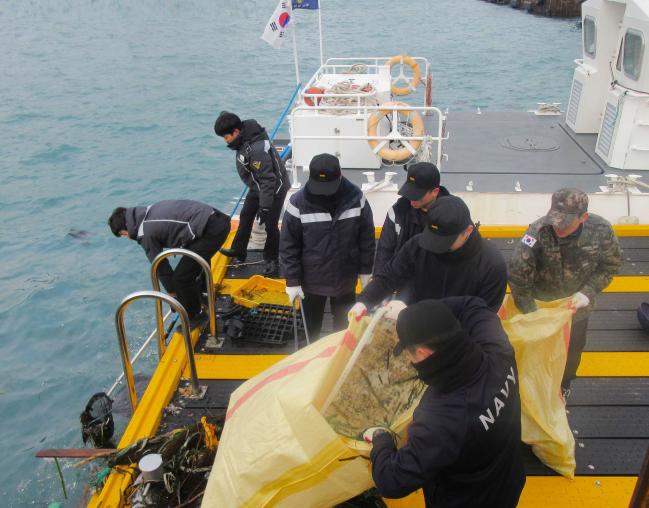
<point x="510" y="152"/>
<point x="608" y="409"/>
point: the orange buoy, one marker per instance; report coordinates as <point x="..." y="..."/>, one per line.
<point x="315" y="90"/>
<point x="392" y="154"/>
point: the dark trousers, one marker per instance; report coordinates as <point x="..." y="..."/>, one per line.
<point x="247" y="218"/>
<point x="577" y="344"/>
<point x="314" y="306"/>
<point x="188" y="288"/>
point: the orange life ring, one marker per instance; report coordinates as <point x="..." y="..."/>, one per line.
<point x="413" y="82"/>
<point x="313" y="89"/>
<point x="392" y="154"/>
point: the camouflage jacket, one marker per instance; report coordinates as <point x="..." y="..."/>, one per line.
<point x="545" y="267"/>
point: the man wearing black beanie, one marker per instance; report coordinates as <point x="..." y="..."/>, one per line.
<point x="463" y="445"/>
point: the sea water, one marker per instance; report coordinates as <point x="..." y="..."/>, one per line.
<point x="111" y="103"/>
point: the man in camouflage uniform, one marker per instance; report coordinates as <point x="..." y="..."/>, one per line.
<point x="567" y="252"/>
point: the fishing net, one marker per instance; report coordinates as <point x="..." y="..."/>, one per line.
<point x="97" y="423"/>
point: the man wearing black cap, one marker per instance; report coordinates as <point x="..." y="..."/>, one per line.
<point x="326" y="243"/>
<point x="406" y="217"/>
<point x="449" y="258"/>
<point x="262" y="170"/>
<point x="463" y="445"/>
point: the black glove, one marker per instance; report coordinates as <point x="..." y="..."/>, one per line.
<point x="263" y="215"/>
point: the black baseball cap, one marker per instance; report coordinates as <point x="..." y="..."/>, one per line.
<point x="324" y="175"/>
<point x="427" y="322"/>
<point x="422" y="177"/>
<point x="446" y="219"/>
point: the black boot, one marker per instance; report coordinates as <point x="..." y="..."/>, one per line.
<point x="231" y="253"/>
<point x="271" y="268"/>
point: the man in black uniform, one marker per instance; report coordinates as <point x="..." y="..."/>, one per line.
<point x="175" y="224"/>
<point x="262" y="170"/>
<point x="406" y="218"/>
<point x="463" y="445"/>
<point x="449" y="258"/>
<point x="327" y="242"/>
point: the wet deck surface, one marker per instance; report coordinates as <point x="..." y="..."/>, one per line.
<point x="608" y="415"/>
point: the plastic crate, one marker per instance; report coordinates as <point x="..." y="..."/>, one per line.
<point x="258" y="289"/>
<point x="270" y="325"/>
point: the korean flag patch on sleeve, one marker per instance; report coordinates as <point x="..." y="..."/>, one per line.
<point x="528" y="240"/>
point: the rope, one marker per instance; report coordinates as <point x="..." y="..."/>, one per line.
<point x="347" y="87"/>
<point x="357" y="68"/>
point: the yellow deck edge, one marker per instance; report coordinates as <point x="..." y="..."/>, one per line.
<point x="620" y="284"/>
<point x="514" y="231"/>
<point x="593" y="364"/>
<point x="517" y="231"/>
<point x="558" y="492"/>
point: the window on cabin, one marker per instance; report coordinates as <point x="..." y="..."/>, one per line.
<point x="590" y="36"/>
<point x="633" y="52"/>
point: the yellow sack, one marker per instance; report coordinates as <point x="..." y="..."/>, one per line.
<point x="540" y="340"/>
<point x="277" y="449"/>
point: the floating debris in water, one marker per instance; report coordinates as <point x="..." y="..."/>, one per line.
<point x="79" y="234"/>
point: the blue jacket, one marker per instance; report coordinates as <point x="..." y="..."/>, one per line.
<point x="463" y="446"/>
<point x="325" y="250"/>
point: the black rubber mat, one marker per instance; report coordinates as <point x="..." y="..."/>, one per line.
<point x="609" y="391"/>
<point x="609" y="421"/>
<point x="617" y="340"/>
<point x="253" y="265"/>
<point x="635" y="252"/>
<point x="597" y="457"/>
<point x="614" y="320"/>
<point x="183" y="411"/>
<point x="620" y="301"/>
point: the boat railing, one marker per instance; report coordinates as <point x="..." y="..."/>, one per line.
<point x="365" y="112"/>
<point x="123" y="342"/>
<point x="155" y="281"/>
<point x="353" y="67"/>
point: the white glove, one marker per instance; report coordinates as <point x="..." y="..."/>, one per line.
<point x="365" y="279"/>
<point x="293" y="292"/>
<point x="579" y="300"/>
<point x="358" y="310"/>
<point x="368" y="435"/>
<point x="393" y="307"/>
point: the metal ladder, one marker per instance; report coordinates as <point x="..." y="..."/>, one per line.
<point x="159" y="297"/>
<point x="155" y="281"/>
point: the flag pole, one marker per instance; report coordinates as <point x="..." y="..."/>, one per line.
<point x="295" y="57"/>
<point x="320" y="31"/>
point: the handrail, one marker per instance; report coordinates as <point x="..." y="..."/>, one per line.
<point x="123" y="344"/>
<point x="137" y="355"/>
<point x="155" y="281"/>
<point x="365" y="112"/>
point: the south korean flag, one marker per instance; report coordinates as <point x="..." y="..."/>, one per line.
<point x="275" y="31"/>
<point x="529" y="240"/>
